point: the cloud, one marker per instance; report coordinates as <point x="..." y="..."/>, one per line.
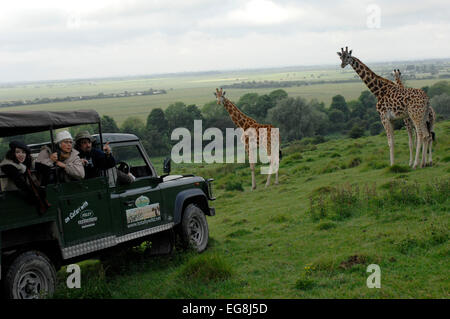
<point x="65" y="39"/>
<point x="262" y="12"/>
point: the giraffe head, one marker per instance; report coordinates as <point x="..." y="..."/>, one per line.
<point x="346" y="56"/>
<point x="397" y="74"/>
<point x="220" y="95"/>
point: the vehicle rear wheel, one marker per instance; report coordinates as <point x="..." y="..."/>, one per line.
<point x="194" y="228"/>
<point x="30" y="276"/>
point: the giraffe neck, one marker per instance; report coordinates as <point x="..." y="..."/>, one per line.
<point x="398" y="81"/>
<point x="237" y="116"/>
<point x="376" y="84"/>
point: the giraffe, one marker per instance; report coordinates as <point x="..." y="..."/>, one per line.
<point x="245" y="122"/>
<point x="409" y="125"/>
<point x="394" y="102"/>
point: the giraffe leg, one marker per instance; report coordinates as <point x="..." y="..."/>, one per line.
<point x="425" y="142"/>
<point x="390" y="136"/>
<point x="430" y="139"/>
<point x="409" y="129"/>
<point x="430" y="157"/>
<point x="277" y="167"/>
<point x="418" y="147"/>
<point x="268" y="179"/>
<point x="270" y="171"/>
<point x="424" y="151"/>
<point x="252" y="167"/>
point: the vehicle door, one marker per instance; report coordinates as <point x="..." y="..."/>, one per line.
<point x="84" y="210"/>
<point x="138" y="203"/>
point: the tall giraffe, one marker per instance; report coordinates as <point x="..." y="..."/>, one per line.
<point x="394" y="102"/>
<point x="245" y="123"/>
<point x="409" y="125"/>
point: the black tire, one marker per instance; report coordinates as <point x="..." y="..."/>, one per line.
<point x="194" y="228"/>
<point x="30" y="276"/>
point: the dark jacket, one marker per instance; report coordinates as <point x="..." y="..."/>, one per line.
<point x="74" y="167"/>
<point x="20" y="178"/>
<point x="97" y="161"/>
<point x="16" y="174"/>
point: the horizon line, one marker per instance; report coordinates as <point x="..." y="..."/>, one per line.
<point x="181" y="73"/>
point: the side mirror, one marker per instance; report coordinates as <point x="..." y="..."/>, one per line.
<point x="166" y="166"/>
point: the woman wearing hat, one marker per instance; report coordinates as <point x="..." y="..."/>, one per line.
<point x="69" y="165"/>
<point x="17" y="167"/>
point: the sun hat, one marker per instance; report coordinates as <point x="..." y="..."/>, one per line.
<point x="84" y="135"/>
<point x="63" y="135"/>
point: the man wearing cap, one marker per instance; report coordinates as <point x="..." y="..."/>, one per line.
<point x="94" y="160"/>
<point x="69" y="165"/>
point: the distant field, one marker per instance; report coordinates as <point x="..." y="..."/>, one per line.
<point x="190" y="89"/>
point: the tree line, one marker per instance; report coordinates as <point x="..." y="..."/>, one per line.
<point x="296" y="118"/>
<point x="100" y="95"/>
<point x="282" y="84"/>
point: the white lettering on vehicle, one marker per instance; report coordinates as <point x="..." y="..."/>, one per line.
<point x="75" y="212"/>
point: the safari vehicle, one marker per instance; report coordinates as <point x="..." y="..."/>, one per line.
<point x="91" y="217"/>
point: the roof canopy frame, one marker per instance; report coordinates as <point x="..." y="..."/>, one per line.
<point x="27" y="122"/>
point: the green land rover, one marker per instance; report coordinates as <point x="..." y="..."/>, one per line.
<point x="97" y="216"/>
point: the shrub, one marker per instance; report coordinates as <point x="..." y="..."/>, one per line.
<point x="330" y="167"/>
<point x="335" y="155"/>
<point x="356" y="132"/>
<point x="205" y="269"/>
<point x="377" y="164"/>
<point x="354" y="162"/>
<point x="234" y="185"/>
<point x="301" y="169"/>
<point x="375" y="128"/>
<point x="317" y="207"/>
<point x="399" y="169"/>
<point x="304" y="283"/>
<point x="326" y="225"/>
<point x="279" y="218"/>
<point x="344" y="200"/>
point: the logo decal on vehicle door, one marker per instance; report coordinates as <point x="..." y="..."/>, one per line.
<point x="142" y="201"/>
<point x="143" y="215"/>
<point x="87" y="219"/>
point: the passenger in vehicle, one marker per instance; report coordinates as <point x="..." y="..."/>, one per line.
<point x="94" y="160"/>
<point x="17" y="167"/>
<point x="66" y="160"/>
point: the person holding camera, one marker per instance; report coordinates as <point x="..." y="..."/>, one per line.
<point x="94" y="160"/>
<point x="65" y="159"/>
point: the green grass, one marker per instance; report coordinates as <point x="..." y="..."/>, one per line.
<point x="311" y="236"/>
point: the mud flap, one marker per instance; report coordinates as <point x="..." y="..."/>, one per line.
<point x="162" y="243"/>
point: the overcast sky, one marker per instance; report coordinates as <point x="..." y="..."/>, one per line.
<point x="61" y="39"/>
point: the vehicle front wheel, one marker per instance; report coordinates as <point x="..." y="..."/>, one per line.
<point x="194" y="228"/>
<point x="30" y="276"/>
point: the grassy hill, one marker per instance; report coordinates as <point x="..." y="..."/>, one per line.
<point x="337" y="209"/>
